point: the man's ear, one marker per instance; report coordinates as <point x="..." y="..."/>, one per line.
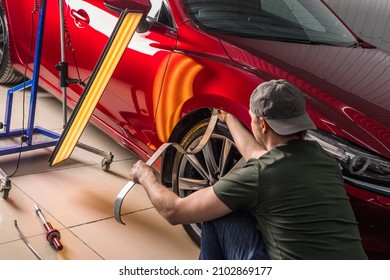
<point x="264" y="126"/>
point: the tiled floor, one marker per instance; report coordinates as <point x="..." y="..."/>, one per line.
<point x="77" y="198"/>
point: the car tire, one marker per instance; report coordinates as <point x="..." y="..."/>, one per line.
<point x="7" y="73"/>
<point x="218" y="157"/>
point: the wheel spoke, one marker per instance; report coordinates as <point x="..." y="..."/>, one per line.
<point x="239" y="164"/>
<point x="226" y="149"/>
<point x="187" y="184"/>
<point x="211" y="162"/>
<point x="198" y="166"/>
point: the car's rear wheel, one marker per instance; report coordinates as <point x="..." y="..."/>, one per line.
<point x="192" y="173"/>
<point x="7" y="73"/>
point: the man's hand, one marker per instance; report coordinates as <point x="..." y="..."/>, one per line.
<point x="245" y="142"/>
<point x="222" y="115"/>
<point x="140" y="172"/>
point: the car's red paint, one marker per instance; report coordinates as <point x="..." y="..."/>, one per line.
<point x="168" y="73"/>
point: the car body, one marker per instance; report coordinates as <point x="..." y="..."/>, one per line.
<point x="194" y="55"/>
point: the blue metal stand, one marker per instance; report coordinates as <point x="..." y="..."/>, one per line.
<point x="28" y="136"/>
<point x="28" y="133"/>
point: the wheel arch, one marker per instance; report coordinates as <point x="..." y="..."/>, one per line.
<point x="193" y="112"/>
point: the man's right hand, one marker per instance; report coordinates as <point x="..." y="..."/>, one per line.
<point x="243" y="138"/>
<point x="222" y="115"/>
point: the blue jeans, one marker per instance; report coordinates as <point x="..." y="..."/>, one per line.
<point x="232" y="237"/>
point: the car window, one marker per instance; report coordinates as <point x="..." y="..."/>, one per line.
<point x="301" y="21"/>
<point x="160" y="13"/>
<point x="293" y="11"/>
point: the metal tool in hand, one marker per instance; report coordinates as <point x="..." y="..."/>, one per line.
<point x="206" y="137"/>
<point x="26" y="242"/>
<point x="53" y="236"/>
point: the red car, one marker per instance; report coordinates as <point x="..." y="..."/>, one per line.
<point x="191" y="56"/>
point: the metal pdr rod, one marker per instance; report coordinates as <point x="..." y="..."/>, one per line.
<point x="53" y="236"/>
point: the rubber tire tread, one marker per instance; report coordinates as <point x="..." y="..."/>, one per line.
<point x="8" y="75"/>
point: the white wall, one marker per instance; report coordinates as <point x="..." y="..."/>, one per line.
<point x="370" y="19"/>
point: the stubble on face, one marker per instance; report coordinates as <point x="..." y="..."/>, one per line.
<point x="256" y="129"/>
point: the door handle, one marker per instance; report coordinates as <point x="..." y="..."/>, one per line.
<point x="81" y="18"/>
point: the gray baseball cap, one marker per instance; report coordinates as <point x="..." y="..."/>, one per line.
<point x="282" y="105"/>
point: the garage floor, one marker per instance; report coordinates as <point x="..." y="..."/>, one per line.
<point x="77" y="197"/>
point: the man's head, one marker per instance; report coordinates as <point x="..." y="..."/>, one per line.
<point x="283" y="107"/>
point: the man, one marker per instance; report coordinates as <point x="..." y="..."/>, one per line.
<point x="287" y="202"/>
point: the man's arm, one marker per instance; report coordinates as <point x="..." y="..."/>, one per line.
<point x="243" y="138"/>
<point x="202" y="205"/>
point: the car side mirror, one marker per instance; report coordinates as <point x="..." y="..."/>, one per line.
<point x="143" y="6"/>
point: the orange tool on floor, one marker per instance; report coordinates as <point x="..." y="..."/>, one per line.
<point x="53" y="236"/>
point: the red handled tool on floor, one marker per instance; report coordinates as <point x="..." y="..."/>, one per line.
<point x="53" y="236"/>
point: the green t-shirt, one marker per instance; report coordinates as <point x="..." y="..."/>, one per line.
<point x="296" y="194"/>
